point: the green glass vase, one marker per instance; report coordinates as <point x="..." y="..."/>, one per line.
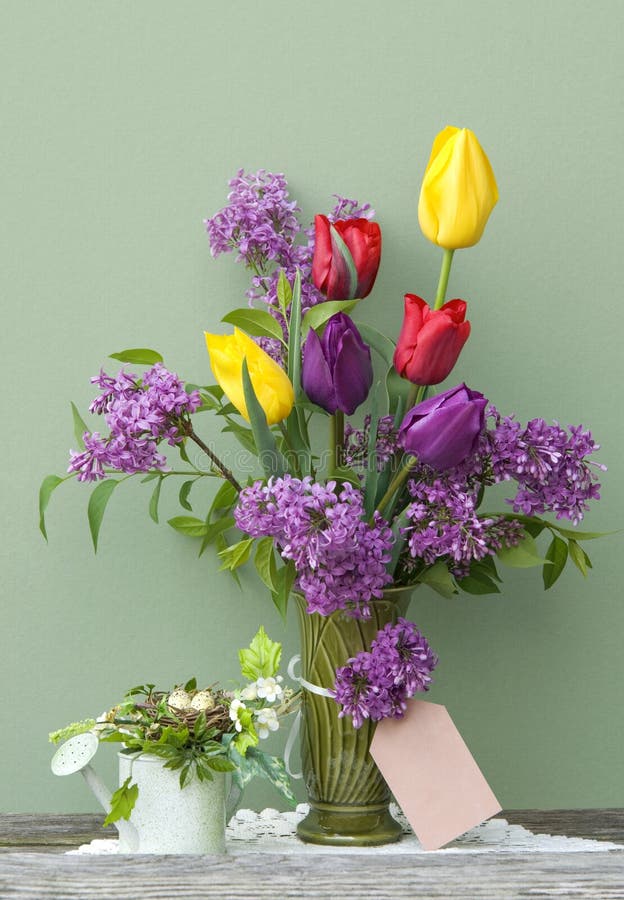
<point x="347" y="794"/>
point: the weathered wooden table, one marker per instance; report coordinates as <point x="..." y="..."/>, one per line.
<point x="33" y="866"/>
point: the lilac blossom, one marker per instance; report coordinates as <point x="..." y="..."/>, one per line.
<point x="548" y="462"/>
<point x="139" y="413"/>
<point x="356" y="442"/>
<point x="340" y="559"/>
<point x="377" y="683"/>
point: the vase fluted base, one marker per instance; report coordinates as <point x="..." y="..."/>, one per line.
<point x="348" y="826"/>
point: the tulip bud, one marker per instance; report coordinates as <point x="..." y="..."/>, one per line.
<point x="271" y="384"/>
<point x="337" y="371"/>
<point x="346" y="257"/>
<point x="430" y="340"/>
<point x="444" y="430"/>
<point x="458" y="191"/>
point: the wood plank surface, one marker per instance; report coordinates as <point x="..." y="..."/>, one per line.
<point x="33" y="867"/>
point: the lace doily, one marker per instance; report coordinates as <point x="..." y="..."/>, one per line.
<point x="271" y="831"/>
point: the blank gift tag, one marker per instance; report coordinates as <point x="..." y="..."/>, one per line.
<point x="432" y="774"/>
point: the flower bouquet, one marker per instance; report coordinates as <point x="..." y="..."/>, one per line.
<point x="178" y="745"/>
<point x="347" y="515"/>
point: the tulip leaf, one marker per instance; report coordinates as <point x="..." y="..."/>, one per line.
<point x="398" y="390"/>
<point x="257" y="322"/>
<point x="345" y="473"/>
<point x="372" y="475"/>
<point x="284" y="291"/>
<point x="80" y="426"/>
<point x="294" y="337"/>
<point x="139" y="356"/>
<point x="523" y="556"/>
<point x="378" y="341"/>
<point x="45" y="492"/>
<point x="319" y="314"/>
<point x="345" y="253"/>
<point x="271" y="459"/>
<point x="557" y="554"/>
<point x="97" y="506"/>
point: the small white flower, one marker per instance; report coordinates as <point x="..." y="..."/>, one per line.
<point x="250" y="691"/>
<point x="236" y="707"/>
<point x="270" y="689"/>
<point x="266" y="721"/>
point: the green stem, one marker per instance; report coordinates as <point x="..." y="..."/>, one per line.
<point x="336" y="440"/>
<point x="416" y="395"/>
<point x="397" y="482"/>
<point x="292" y="452"/>
<point x="445" y="271"/>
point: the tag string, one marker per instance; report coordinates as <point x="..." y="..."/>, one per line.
<point x="296" y="725"/>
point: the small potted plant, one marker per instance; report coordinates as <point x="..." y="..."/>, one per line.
<point x="178" y="747"/>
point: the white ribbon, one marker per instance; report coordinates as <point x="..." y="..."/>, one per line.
<point x="294" y="731"/>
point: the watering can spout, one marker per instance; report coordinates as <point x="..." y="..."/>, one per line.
<point x="75" y="755"/>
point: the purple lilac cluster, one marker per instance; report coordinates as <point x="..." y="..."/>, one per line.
<point x="356" y="442"/>
<point x="549" y="463"/>
<point x="376" y="684"/>
<point x="443" y="522"/>
<point x="260" y="224"/>
<point x="340" y="559"/>
<point x="139" y="413"/>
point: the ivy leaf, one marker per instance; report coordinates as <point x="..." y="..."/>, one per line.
<point x="97" y="506"/>
<point x="523" y="556"/>
<point x="80" y="426"/>
<point x="139" y="356"/>
<point x="122" y="802"/>
<point x="49" y="483"/>
<point x="557" y="554"/>
<point x="237" y="554"/>
<point x="153" y="504"/>
<point x="262" y="658"/>
<point x="274" y="770"/>
<point x="257" y="322"/>
<point x="264" y="562"/>
<point x="189" y="525"/>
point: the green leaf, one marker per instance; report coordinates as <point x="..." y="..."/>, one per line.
<point x="220" y="763"/>
<point x="557" y="554"/>
<point x="80" y="426"/>
<point x="49" y="483"/>
<point x="340" y="246"/>
<point x="214" y="530"/>
<point x="284" y="580"/>
<point x="225" y="498"/>
<point x="274" y="770"/>
<point x="243" y="435"/>
<point x="153" y="504"/>
<point x="284" y="291"/>
<point x="140" y="356"/>
<point x="317" y="315"/>
<point x="534" y="528"/>
<point x="372" y="475"/>
<point x="244" y="741"/>
<point x="97" y="506"/>
<point x="185" y="490"/>
<point x="150" y="477"/>
<point x="264" y="562"/>
<point x="188" y="525"/>
<point x="191" y="685"/>
<point x="257" y="322"/>
<point x="122" y="802"/>
<point x="272" y="460"/>
<point x="294" y="337"/>
<point x="345" y="473"/>
<point x="262" y="658"/>
<point x="488" y="566"/>
<point x="523" y="556"/>
<point x="579" y="557"/>
<point x="439" y="579"/>
<point x="580" y="535"/>
<point x="397" y="389"/>
<point x="379" y="342"/>
<point x="237" y="554"/>
<point x="478" y="582"/>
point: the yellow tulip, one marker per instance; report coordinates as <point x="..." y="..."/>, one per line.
<point x="271" y="384"/>
<point x="458" y="191"/>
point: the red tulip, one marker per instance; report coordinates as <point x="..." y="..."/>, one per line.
<point x="346" y="257"/>
<point x="430" y="340"/>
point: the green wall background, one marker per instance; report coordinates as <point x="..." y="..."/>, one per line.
<point x="121" y="124"/>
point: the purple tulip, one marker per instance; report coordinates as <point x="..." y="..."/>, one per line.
<point x="337" y="371"/>
<point x="444" y="430"/>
